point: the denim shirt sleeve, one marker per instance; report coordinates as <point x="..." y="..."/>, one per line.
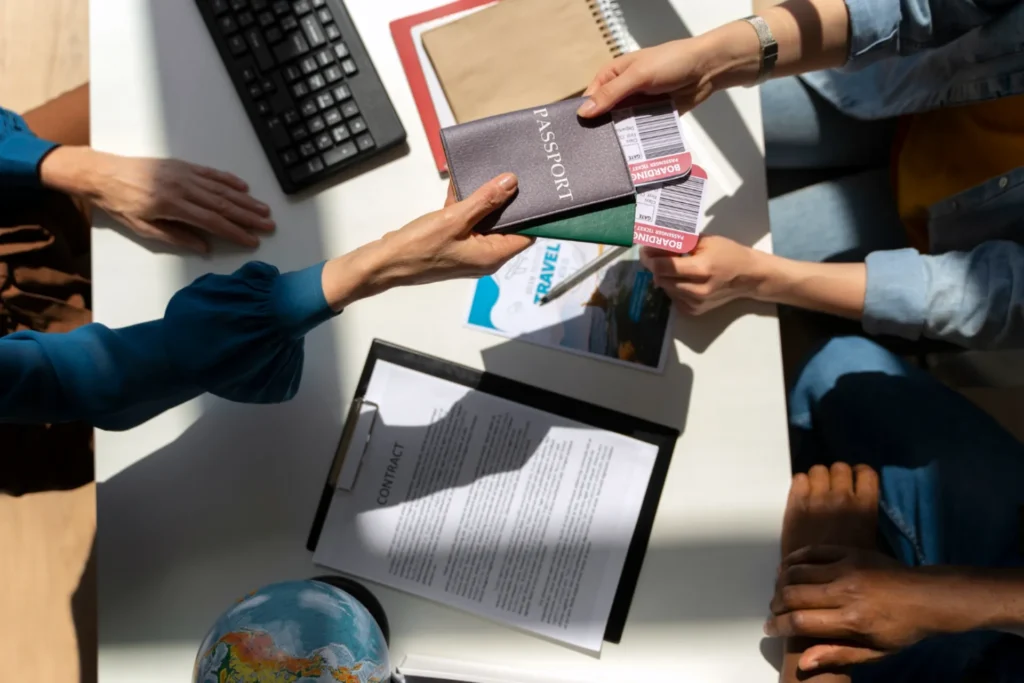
<point x="971" y="298"/>
<point x="20" y="152"/>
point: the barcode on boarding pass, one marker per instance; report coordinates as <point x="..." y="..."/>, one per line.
<point x="668" y="217"/>
<point x="652" y="141"/>
<point x="679" y="205"/>
<point x="658" y="127"/>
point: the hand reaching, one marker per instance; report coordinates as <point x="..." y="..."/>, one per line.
<point x="167" y="200"/>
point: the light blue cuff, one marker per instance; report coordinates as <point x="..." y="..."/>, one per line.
<point x="20" y="154"/>
<point x="299" y="300"/>
<point x="897" y="292"/>
<point x="874" y="30"/>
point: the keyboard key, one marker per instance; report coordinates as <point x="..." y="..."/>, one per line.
<point x="332" y="73"/>
<point x="324" y="15"/>
<point x="324" y="141"/>
<point x="268" y="86"/>
<point x="357" y="125"/>
<point x="319" y="3"/>
<point x="349" y="109"/>
<point x="228" y="25"/>
<point x="267" y="19"/>
<point x="239" y="5"/>
<point x="237" y="45"/>
<point x="289" y="23"/>
<point x="332" y="117"/>
<point x="308" y="65"/>
<point x="333" y="32"/>
<point x="278" y="135"/>
<point x="300" y="90"/>
<point x="341" y="93"/>
<point x="324" y="100"/>
<point x="280" y="100"/>
<point x="291" y="117"/>
<point x="316" y="81"/>
<point x="340" y="153"/>
<point x="259" y="5"/>
<point x="219" y="7"/>
<point x="289" y="157"/>
<point x="263" y="108"/>
<point x="274" y="35"/>
<point x="299" y="133"/>
<point x="291" y="73"/>
<point x="365" y="142"/>
<point x="306" y="170"/>
<point x="324" y="58"/>
<point x="307" y="149"/>
<point x="248" y="74"/>
<point x="255" y="91"/>
<point x="340" y="134"/>
<point x="259" y="48"/>
<point x="341" y="50"/>
<point x="308" y="108"/>
<point x="246" y="19"/>
<point x="314" y="33"/>
<point x="316" y="124"/>
<point x="294" y="46"/>
<point x="349" y="67"/>
<point x="281" y="8"/>
<point x="302" y="7"/>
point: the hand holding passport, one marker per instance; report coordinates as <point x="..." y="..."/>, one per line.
<point x="574" y="179"/>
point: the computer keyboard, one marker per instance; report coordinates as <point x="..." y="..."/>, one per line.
<point x="307" y="83"/>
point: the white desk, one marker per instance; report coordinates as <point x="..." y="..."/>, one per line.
<point x="214" y="499"/>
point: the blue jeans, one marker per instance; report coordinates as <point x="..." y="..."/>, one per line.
<point x="836" y="220"/>
<point x="952" y="486"/>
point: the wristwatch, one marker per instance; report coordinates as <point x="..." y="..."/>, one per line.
<point x="769" y="48"/>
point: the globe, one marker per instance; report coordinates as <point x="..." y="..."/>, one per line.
<point x="298" y="632"/>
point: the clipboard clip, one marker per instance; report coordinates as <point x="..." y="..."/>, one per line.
<point x="355" y="438"/>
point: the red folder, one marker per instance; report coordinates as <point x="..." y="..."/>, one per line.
<point x="401" y="33"/>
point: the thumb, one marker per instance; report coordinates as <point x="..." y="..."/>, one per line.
<point x="489" y="197"/>
<point x="610" y="94"/>
<point x="832" y="656"/>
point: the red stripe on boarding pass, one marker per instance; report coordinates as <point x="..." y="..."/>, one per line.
<point x="662" y="238"/>
<point x="663" y="168"/>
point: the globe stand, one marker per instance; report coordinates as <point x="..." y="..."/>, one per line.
<point x="364" y="597"/>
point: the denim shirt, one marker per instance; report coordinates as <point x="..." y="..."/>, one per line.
<point x="910" y="56"/>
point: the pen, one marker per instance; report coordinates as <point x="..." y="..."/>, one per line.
<point x="583" y="273"/>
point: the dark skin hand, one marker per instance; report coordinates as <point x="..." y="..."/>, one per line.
<point x="833" y="506"/>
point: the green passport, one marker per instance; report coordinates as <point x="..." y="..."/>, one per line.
<point x="611" y="225"/>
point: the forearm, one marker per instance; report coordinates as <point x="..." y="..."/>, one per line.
<point x="70" y="170"/>
<point x="975" y="598"/>
<point x="811" y="35"/>
<point x="835" y="288"/>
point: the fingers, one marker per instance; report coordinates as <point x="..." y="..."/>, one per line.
<point x="229" y="179"/>
<point x="673" y="266"/>
<point x="804" y="596"/>
<point x="820" y="480"/>
<point x="811" y="623"/>
<point x="450" y="197"/>
<point x="816" y="554"/>
<point x="226" y="208"/>
<point x="801" y="487"/>
<point x="834" y="656"/>
<point x="841" y="475"/>
<point x="605" y="96"/>
<point x="204" y="219"/>
<point x="866" y="486"/>
<point x="242" y="200"/>
<point x="489" y="197"/>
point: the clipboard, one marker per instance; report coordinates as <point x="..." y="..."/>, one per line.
<point x="361" y="418"/>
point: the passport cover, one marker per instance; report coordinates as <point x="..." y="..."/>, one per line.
<point x="573" y="179"/>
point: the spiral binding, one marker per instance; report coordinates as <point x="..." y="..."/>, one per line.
<point x="612" y="22"/>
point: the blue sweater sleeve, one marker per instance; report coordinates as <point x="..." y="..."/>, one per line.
<point x="20" y="152"/>
<point x="238" y="336"/>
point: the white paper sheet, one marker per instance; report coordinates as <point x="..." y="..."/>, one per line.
<point x="491" y="506"/>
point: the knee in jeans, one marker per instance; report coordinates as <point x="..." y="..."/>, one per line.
<point x="843" y="356"/>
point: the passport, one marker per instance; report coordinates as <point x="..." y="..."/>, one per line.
<point x="574" y="182"/>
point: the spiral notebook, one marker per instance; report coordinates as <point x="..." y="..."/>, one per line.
<point x="519" y="53"/>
